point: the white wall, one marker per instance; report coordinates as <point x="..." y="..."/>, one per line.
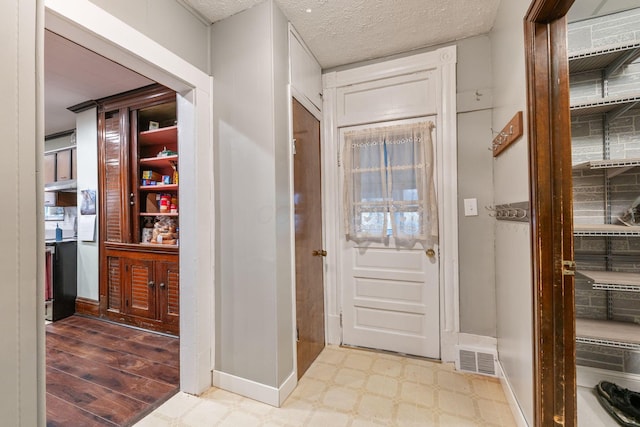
<point x="511" y="184"/>
<point x="166" y="22"/>
<point x="87" y="179"/>
<point x="22" y="262"/>
<point x="254" y="331"/>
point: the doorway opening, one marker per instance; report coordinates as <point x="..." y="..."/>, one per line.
<point x="93" y="28"/>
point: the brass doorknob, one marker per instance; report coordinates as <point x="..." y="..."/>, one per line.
<point x="430" y="253"/>
<point x="320" y="252"/>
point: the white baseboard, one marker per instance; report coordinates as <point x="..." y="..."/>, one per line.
<point x="287" y="387"/>
<point x="448" y="342"/>
<point x="518" y="416"/>
<point x="590" y="377"/>
<point x="257" y="391"/>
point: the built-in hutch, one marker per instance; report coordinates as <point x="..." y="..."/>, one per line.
<point x="139" y="208"/>
<point x="605" y="101"/>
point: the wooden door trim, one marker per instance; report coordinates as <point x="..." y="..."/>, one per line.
<point x="551" y="213"/>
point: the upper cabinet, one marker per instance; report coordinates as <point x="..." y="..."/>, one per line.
<point x="59" y="169"/>
<point x="306" y="74"/>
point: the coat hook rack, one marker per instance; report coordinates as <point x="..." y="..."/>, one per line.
<point x="510" y="212"/>
<point x="508" y="135"/>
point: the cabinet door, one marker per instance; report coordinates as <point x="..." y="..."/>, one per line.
<point x="168" y="273"/>
<point x="49" y="168"/>
<point x="74" y="163"/>
<point x="114" y="284"/>
<point x="140" y="288"/>
<point x="63" y="165"/>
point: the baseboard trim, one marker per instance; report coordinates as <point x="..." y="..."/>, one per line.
<point x="253" y="390"/>
<point x="589" y="377"/>
<point x="87" y="307"/>
<point x="518" y="416"/>
<point x="287" y="387"/>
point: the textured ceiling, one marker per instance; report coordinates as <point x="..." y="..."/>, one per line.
<point x="340" y="32"/>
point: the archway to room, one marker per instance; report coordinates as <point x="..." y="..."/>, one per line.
<point x="134" y="53"/>
<point x="133" y="370"/>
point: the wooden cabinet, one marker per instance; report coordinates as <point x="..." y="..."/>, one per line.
<point x="143" y="289"/>
<point x="63" y="165"/>
<point x="49" y="168"/>
<point x="138" y="186"/>
<point x="60" y="165"/>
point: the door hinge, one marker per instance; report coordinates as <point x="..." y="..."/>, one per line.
<point x="293" y="145"/>
<point x="341" y="319"/>
<point x="297" y="334"/>
<point x="568" y="268"/>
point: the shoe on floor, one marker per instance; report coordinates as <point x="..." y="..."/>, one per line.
<point x="622" y="404"/>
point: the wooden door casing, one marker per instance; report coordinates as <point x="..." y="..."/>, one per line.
<point x="550" y="175"/>
<point x="308" y="237"/>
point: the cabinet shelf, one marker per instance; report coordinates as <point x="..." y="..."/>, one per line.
<point x="608" y="333"/>
<point x="162" y="136"/>
<point x="158" y="161"/>
<point x="602" y="59"/>
<point x="605" y="230"/>
<point x="613" y="280"/>
<point x="163" y="187"/>
<point x="159" y="214"/>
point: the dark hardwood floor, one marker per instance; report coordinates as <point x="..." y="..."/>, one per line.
<point x="103" y="374"/>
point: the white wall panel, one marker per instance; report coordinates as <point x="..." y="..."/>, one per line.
<point x="389" y="99"/>
<point x="513" y="241"/>
<point x="87" y="146"/>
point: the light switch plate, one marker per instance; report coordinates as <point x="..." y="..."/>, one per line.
<point x="470" y="207"/>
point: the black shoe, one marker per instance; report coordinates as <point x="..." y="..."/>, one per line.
<point x="620" y="403"/>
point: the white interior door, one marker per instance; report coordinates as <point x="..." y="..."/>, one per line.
<point x="390" y="296"/>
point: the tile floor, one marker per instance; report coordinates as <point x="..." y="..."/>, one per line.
<point x="354" y="388"/>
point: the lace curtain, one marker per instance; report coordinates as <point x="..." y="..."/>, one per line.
<point x="389" y="188"/>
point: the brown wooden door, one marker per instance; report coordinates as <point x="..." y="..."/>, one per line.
<point x="308" y="225"/>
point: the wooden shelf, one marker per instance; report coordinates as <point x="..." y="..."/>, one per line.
<point x="163" y="187"/>
<point x="608" y="333"/>
<point x="162" y="136"/>
<point x="613" y="280"/>
<point x="159" y="214"/>
<point x="605" y="230"/>
<point x="158" y="161"/>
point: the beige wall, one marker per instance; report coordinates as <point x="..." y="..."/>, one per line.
<point x="21" y="318"/>
<point x="511" y="184"/>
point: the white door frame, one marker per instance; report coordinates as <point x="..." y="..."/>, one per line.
<point x="90" y="26"/>
<point x="444" y="61"/>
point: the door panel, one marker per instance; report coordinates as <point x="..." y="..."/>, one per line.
<point x="391" y="300"/>
<point x="168" y="274"/>
<point x="140" y="300"/>
<point x="308" y="226"/>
